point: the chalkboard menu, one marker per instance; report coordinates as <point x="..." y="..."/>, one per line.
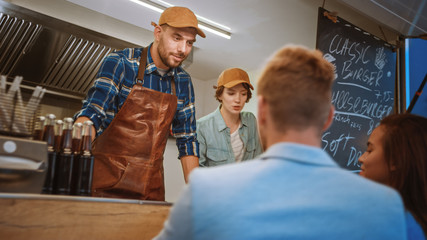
<point x="363" y="91"/>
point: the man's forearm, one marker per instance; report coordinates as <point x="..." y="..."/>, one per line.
<point x="188" y="164"/>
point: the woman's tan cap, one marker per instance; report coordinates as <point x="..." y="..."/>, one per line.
<point x="233" y="76"/>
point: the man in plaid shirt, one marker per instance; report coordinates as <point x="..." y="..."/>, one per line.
<point x="120" y="73"/>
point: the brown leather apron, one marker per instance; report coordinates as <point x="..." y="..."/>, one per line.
<point x="129" y="153"/>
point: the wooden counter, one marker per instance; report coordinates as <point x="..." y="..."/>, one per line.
<point x="35" y="216"/>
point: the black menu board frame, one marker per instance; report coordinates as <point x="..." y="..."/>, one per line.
<point x="363" y="91"/>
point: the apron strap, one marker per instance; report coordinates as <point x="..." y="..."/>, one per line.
<point x="141" y="71"/>
<point x="173" y="91"/>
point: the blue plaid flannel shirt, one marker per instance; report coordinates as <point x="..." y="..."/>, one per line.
<point x="114" y="81"/>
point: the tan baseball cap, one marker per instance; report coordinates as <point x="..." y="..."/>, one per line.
<point x="233" y="76"/>
<point x="180" y="17"/>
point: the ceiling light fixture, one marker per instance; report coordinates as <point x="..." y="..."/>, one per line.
<point x="204" y="23"/>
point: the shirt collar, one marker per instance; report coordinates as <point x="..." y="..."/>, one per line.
<point x="220" y="120"/>
<point x="244" y="121"/>
<point x="299" y="153"/>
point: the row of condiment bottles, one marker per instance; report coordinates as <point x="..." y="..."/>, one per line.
<point x="70" y="160"/>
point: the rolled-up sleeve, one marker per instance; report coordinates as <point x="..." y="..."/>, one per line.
<point x="184" y="125"/>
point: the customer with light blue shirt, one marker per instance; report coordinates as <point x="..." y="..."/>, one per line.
<point x="229" y="135"/>
<point x="294" y="190"/>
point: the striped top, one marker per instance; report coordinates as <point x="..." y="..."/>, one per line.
<point x="237" y="145"/>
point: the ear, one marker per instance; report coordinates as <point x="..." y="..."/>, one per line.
<point x="392" y="167"/>
<point x="220" y="98"/>
<point x="157" y="32"/>
<point x="262" y="110"/>
<point x="330" y="118"/>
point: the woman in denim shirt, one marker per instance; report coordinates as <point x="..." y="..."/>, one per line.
<point x="229" y="135"/>
<point x="396" y="156"/>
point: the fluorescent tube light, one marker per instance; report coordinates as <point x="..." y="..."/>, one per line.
<point x="212" y="22"/>
<point x="147" y="5"/>
<point x="204" y="23"/>
<point x="223" y="34"/>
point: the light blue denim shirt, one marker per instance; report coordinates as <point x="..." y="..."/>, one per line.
<point x="215" y="142"/>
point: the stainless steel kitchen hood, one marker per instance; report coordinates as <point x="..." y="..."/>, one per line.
<point x="49" y="52"/>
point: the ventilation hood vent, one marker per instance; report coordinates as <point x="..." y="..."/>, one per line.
<point x="77" y="62"/>
<point x="48" y="52"/>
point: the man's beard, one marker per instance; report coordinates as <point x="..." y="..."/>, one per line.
<point x="164" y="56"/>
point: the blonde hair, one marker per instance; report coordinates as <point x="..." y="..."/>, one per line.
<point x="296" y="83"/>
